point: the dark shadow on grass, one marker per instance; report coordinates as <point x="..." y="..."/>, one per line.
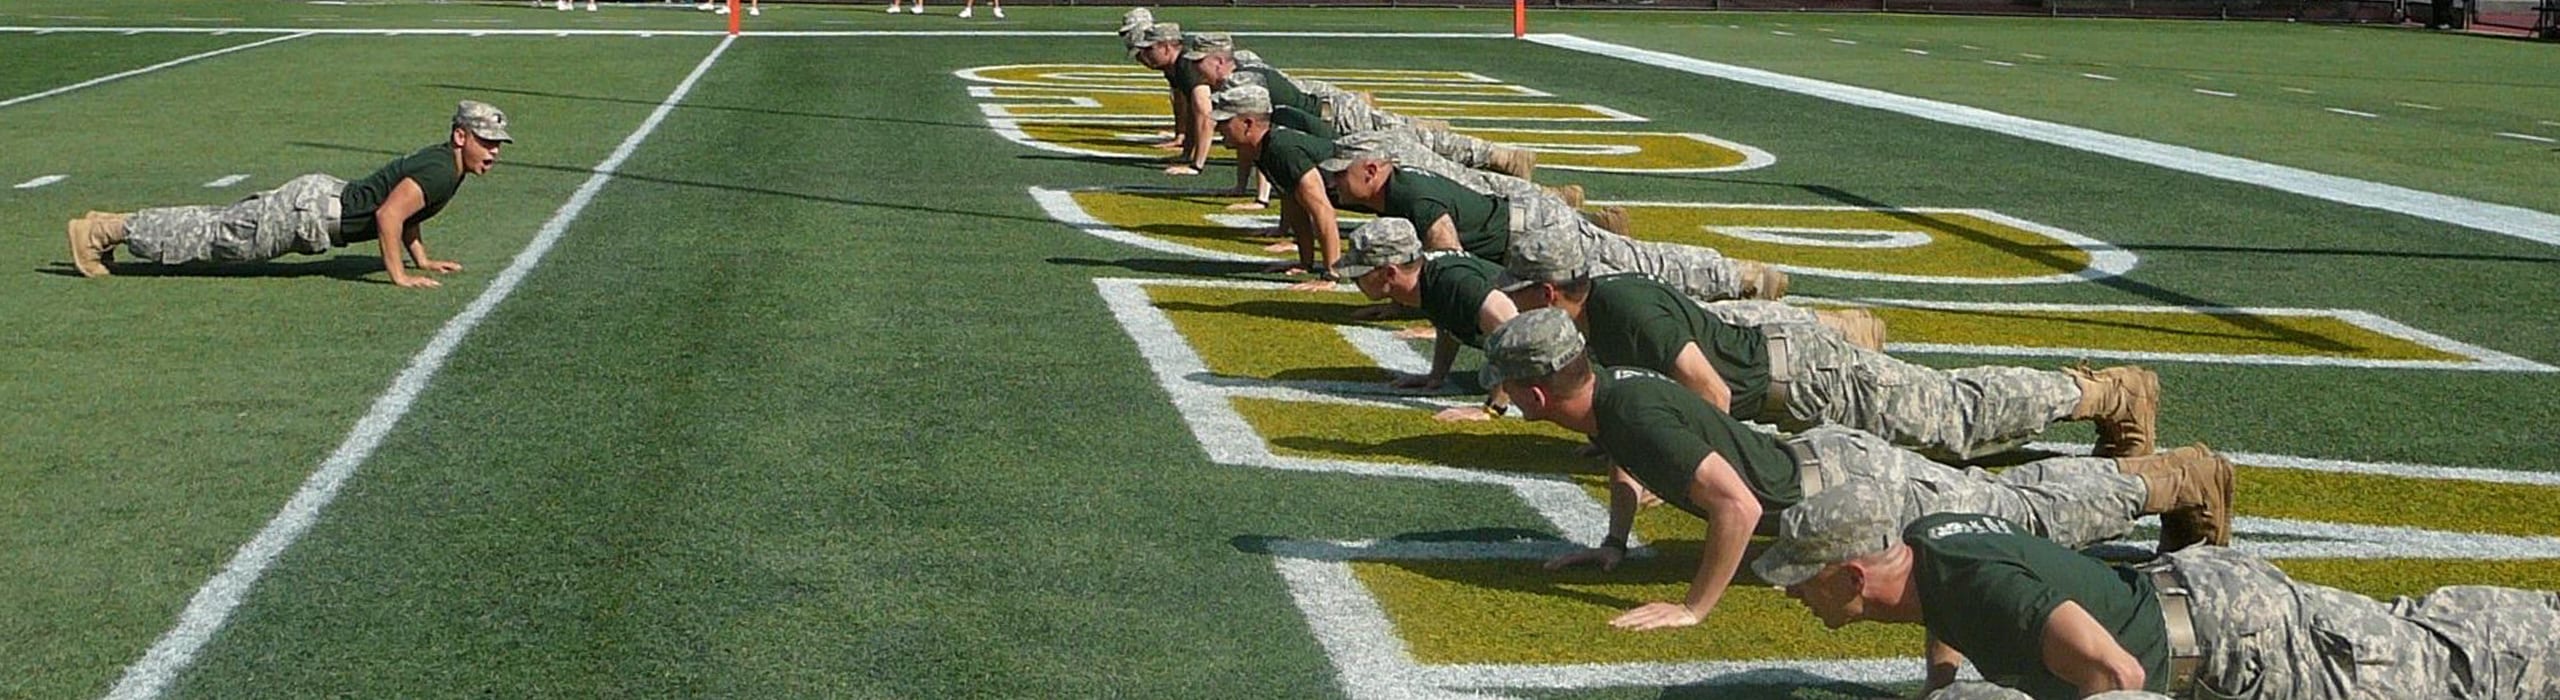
<point x="352" y="268"/>
<point x="1774" y="684"/>
<point x="1115" y="161"/>
<point x="1162" y="266"/>
<point x="1523" y="454"/>
<point x="653" y="102"/>
<point x="723" y="186"/>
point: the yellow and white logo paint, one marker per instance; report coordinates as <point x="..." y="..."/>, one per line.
<point x="1117" y="111"/>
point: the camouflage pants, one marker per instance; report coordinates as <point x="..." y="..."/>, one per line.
<point x="2268" y="637"/>
<point x="1350" y="114"/>
<point x="1405" y="149"/>
<point x="1702" y="274"/>
<point x="1755" y="313"/>
<point x="299" y="217"/>
<point x="1947" y="414"/>
<point x="2075" y="501"/>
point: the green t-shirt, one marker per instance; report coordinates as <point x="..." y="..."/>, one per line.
<point x="1454" y="287"/>
<point x="1637" y="321"/>
<point x="1483" y="222"/>
<point x="432" y="167"/>
<point x="1185" y="75"/>
<point x="1283" y="92"/>
<point x="1987" y="585"/>
<point x="1659" y="431"/>
<point x="1302" y="120"/>
<point x="1287" y="154"/>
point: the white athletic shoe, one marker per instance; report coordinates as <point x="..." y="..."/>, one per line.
<point x="964" y="13"/>
<point x="916" y="9"/>
<point x="755" y="10"/>
<point x="563" y="5"/>
<point x="893" y="9"/>
<point x="591" y="5"/>
<point x="720" y="10"/>
<point x="706" y="7"/>
<point x="998" y="10"/>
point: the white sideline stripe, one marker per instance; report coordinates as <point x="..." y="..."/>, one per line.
<point x="1916" y="52"/>
<point x="1844" y="42"/>
<point x="2353" y="113"/>
<point x="2035" y="56"/>
<point x="149" y="68"/>
<point x="2003" y="64"/>
<point x="2300" y="91"/>
<point x="2501" y="219"/>
<point x="40" y="181"/>
<point x="2094" y="76"/>
<point x="1780" y="33"/>
<point x="445" y="31"/>
<point x="2528" y="137"/>
<point x="2414" y="105"/>
<point x="2547" y="122"/>
<point x="2216" y="93"/>
<point x="212" y="605"/>
<point x="227" y="180"/>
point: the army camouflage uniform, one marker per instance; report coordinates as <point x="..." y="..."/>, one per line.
<point x="1700" y="273"/>
<point x="1955" y="414"/>
<point x="299" y="217"/>
<point x="2075" y="501"/>
<point x="1349" y="113"/>
<point x="2265" y="636"/>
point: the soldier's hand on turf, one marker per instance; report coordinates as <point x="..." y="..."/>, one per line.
<point x="1181" y="169"/>
<point x="417" y="282"/>
<point x="441" y="266"/>
<point x="1606" y="557"/>
<point x="1248" y="206"/>
<point x="1654" y="616"/>
<point x="1462" y="413"/>
<point x="1313" y="285"/>
<point x="1285" y="268"/>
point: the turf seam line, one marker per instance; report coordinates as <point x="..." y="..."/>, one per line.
<point x="213" y="604"/>
<point x="146" y="69"/>
<point x="2508" y="220"/>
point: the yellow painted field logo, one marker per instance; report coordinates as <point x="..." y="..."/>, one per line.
<point x="1117" y="111"/>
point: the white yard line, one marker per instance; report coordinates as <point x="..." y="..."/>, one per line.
<point x="149" y="68"/>
<point x="213" y="604"/>
<point x="40" y="181"/>
<point x="2300" y="91"/>
<point x="1844" y="42"/>
<point x="2528" y="137"/>
<point x="2003" y="64"/>
<point x="2415" y="105"/>
<point x="227" y="180"/>
<point x="2501" y="219"/>
<point x="2216" y="93"/>
<point x="2352" y="113"/>
<point x="2094" y="76"/>
<point x="453" y="31"/>
<point x="1916" y="52"/>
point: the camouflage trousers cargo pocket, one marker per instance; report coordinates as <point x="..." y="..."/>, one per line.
<point x="299" y="217"/>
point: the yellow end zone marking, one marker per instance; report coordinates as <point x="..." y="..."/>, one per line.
<point x="1254" y="334"/>
<point x="1930" y="245"/>
<point x="1465" y="110"/>
<point x="1123" y="139"/>
<point x="1629" y="151"/>
<point x="1409" y="435"/>
<point x="2248" y="335"/>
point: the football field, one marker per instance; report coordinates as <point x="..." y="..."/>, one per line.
<point x="864" y="355"/>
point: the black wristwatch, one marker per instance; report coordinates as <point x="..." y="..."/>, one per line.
<point x="1617" y="542"/>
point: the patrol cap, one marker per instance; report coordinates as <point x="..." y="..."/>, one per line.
<point x="1249" y="99"/>
<point x="1355" y="146"/>
<point x="1135" y="19"/>
<point x="1530" y="345"/>
<point x="1841" y="523"/>
<point x="1153" y="34"/>
<point x="1243" y="78"/>
<point x="1197" y="46"/>
<point x="1383" y="241"/>
<point x="483" y="120"/>
<point x="1548" y="259"/>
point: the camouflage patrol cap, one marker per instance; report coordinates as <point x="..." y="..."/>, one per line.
<point x="1198" y="46"/>
<point x="1135" y="19"/>
<point x="1243" y="78"/>
<point x="1249" y="99"/>
<point x="1548" y="259"/>
<point x="1383" y="241"/>
<point x="482" y="119"/>
<point x="1356" y="146"/>
<point x="1841" y="523"/>
<point x="1531" y="345"/>
<point x="1141" y="38"/>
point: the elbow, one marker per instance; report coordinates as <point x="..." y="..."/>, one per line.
<point x="2129" y="674"/>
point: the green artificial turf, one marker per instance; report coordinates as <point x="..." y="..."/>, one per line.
<point x="815" y="401"/>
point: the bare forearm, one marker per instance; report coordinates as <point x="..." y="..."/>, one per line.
<point x="1444" y="352"/>
<point x="390" y="241"/>
<point x="1729" y="534"/>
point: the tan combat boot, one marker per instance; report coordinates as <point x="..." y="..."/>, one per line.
<point x="1760" y="281"/>
<point x="1861" y="327"/>
<point x="1515" y="162"/>
<point x="1571" y="194"/>
<point x="2125" y="402"/>
<point x="2190" y="489"/>
<point x="93" y="239"/>
<point x="1612" y="218"/>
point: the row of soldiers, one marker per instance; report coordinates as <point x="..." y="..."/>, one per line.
<point x="1666" y="354"/>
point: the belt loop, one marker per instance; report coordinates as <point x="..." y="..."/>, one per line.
<point x="1809" y="475"/>
<point x="1781" y="378"/>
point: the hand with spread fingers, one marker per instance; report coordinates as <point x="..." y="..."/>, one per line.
<point x="1654" y="616"/>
